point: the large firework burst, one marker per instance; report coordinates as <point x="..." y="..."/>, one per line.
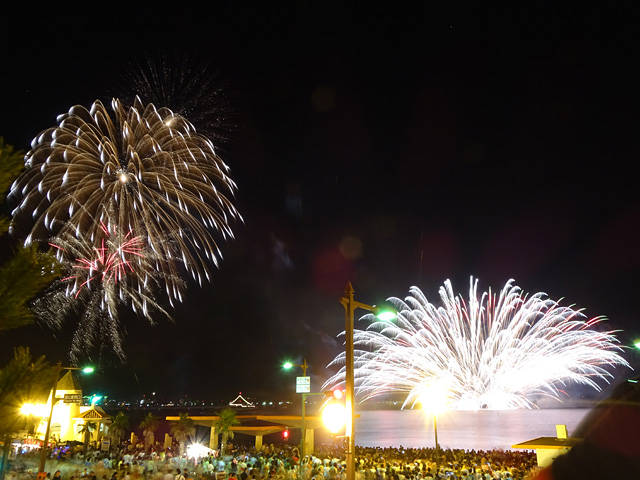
<point x="494" y="352"/>
<point x="146" y="170"/>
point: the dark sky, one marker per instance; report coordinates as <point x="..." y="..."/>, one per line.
<point x="388" y="146"/>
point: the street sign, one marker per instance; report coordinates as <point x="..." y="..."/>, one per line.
<point x="303" y="384"/>
<point x="72" y="398"/>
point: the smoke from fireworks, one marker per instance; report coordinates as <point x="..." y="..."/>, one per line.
<point x="494" y="352"/>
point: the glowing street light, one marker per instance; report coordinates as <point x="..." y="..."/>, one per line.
<point x="35" y="409"/>
<point x="434" y="401"/>
<point x="31" y="410"/>
<point x="303" y="366"/>
<point x="45" y="444"/>
<point x="350" y="306"/>
<point x="334" y="412"/>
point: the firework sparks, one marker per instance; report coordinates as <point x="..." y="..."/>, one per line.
<point x="494" y="352"/>
<point x="187" y="85"/>
<point x="146" y="170"/>
<point x="118" y="270"/>
<point x="109" y="262"/>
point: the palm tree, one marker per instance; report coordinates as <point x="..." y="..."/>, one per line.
<point x="149" y="426"/>
<point x="227" y="419"/>
<point x="28" y="271"/>
<point x="118" y="428"/>
<point x="86" y="430"/>
<point x="22" y="380"/>
<point x="182" y="429"/>
<point x="11" y="164"/>
<point x="25" y="274"/>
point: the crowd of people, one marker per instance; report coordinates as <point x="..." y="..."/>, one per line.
<point x="281" y="462"/>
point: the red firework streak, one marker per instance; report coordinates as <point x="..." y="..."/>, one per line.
<point x="110" y="262"/>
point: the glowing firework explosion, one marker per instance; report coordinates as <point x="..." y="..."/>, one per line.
<point x="147" y="171"/>
<point x="495" y="353"/>
<point x="117" y="270"/>
<point x="109" y="263"/>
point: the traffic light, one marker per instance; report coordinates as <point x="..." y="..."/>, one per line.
<point x="285" y="434"/>
<point x="335" y="394"/>
<point x="333" y="412"/>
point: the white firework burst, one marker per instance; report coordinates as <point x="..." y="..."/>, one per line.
<point x="142" y="168"/>
<point x="494" y="352"/>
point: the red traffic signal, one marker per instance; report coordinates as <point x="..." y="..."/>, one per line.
<point x="285" y="434"/>
<point x="335" y="394"/>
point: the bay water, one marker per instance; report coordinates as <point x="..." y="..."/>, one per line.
<point x="479" y="430"/>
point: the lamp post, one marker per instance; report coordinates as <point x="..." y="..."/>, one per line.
<point x="434" y="400"/>
<point x="303" y="432"/>
<point x="435" y="432"/>
<point x="45" y="444"/>
<point x="350" y="306"/>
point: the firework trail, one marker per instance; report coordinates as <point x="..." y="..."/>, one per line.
<point x="189" y="86"/>
<point x="494" y="352"/>
<point x="146" y="170"/>
<point x="117" y="269"/>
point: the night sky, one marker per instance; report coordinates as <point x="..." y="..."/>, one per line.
<point x="386" y="146"/>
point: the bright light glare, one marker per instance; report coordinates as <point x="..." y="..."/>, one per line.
<point x="37" y="409"/>
<point x="196" y="450"/>
<point x="334" y="417"/>
<point x="434" y="399"/>
<point x="386" y="315"/>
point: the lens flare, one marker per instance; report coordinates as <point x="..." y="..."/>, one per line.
<point x="492" y="352"/>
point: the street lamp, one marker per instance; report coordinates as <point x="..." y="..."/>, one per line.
<point x="434" y="401"/>
<point x="333" y="413"/>
<point x="303" y="366"/>
<point x="45" y="444"/>
<point x="350" y="305"/>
